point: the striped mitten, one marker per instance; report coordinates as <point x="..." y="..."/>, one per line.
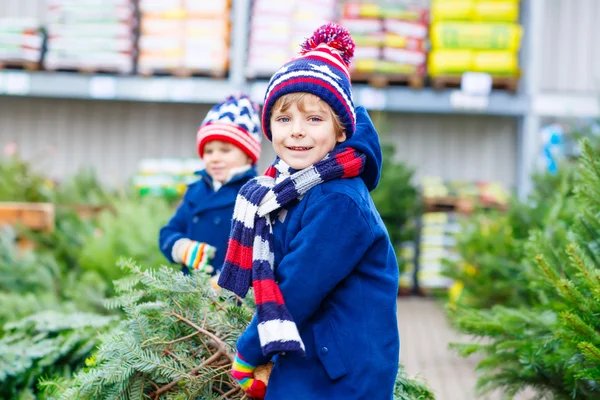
<point x="243" y="372"/>
<point x="193" y="254"/>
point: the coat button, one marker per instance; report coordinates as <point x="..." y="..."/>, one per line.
<point x="217" y="220"/>
<point x="324" y="350"/>
<point x="195" y="220"/>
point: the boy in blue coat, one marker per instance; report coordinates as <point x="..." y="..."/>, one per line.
<point x="309" y="240"/>
<point x="229" y="144"/>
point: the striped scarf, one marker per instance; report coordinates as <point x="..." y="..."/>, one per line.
<point x="250" y="258"/>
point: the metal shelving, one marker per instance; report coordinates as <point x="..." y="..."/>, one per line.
<point x="529" y="105"/>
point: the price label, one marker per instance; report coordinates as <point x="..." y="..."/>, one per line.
<point x="156" y="89"/>
<point x="17" y="83"/>
<point x="257" y="93"/>
<point x="372" y="99"/>
<point x="465" y="101"/>
<point x="476" y="83"/>
<point x="182" y="91"/>
<point x="103" y="87"/>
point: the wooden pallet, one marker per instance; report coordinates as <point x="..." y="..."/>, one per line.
<point x="462" y="206"/>
<point x="509" y="84"/>
<point x="23" y="65"/>
<point x="183" y="73"/>
<point x="384" y="80"/>
<point x="35" y="216"/>
<point x="88" y="212"/>
<point x="88" y="71"/>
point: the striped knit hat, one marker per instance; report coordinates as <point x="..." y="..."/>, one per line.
<point x="234" y="121"/>
<point x="321" y="69"/>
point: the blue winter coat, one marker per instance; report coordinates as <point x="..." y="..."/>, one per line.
<point x="204" y="215"/>
<point x="339" y="277"/>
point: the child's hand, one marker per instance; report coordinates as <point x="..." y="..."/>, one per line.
<point x="243" y="373"/>
<point x="193" y="254"/>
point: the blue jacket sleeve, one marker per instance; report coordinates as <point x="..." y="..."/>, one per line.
<point x="333" y="239"/>
<point x="174" y="230"/>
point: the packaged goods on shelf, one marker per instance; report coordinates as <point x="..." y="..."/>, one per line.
<point x="184" y="35"/>
<point x="390" y="39"/>
<point x="278" y="28"/>
<point x="374" y="10"/>
<point x="407" y="275"/>
<point x="475" y="10"/>
<point x="497" y="63"/>
<point x="91" y="35"/>
<point x="21" y="41"/>
<point x="475" y="36"/>
<point x="167" y="177"/>
<point x="437" y="244"/>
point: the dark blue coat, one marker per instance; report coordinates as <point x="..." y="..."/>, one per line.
<point x="339" y="277"/>
<point x="204" y="215"/>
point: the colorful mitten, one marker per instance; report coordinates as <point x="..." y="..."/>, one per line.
<point x="244" y="374"/>
<point x="193" y="254"/>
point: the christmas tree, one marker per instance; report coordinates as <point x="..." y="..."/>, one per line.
<point x="176" y="342"/>
<point x="551" y="344"/>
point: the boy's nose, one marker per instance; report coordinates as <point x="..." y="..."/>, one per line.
<point x="298" y="133"/>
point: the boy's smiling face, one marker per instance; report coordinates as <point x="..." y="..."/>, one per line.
<point x="221" y="157"/>
<point x="304" y="129"/>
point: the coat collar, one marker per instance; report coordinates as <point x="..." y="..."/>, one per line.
<point x="208" y="199"/>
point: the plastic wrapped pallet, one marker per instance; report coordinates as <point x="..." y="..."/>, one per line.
<point x="277" y="29"/>
<point x="184" y="36"/>
<point x="96" y="35"/>
<point x="20" y="41"/>
<point x="498" y="63"/>
<point x="473" y="10"/>
<point x="437" y="243"/>
<point x="475" y="36"/>
<point x="390" y="39"/>
<point x="166" y="177"/>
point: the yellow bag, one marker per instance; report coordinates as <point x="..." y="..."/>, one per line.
<point x="471" y="10"/>
<point x="386" y="67"/>
<point x="476" y="36"/>
<point x="454" y="62"/>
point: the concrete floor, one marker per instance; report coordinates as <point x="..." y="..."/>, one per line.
<point x="424" y="338"/>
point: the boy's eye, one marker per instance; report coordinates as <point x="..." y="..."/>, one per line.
<point x="225" y="150"/>
<point x="315" y="119"/>
<point x="283" y="119"/>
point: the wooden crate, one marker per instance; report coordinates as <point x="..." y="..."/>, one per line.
<point x="35" y="216"/>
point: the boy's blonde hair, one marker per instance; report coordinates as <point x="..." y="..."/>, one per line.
<point x="301" y="99"/>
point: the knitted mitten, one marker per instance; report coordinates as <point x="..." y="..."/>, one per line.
<point x="243" y="372"/>
<point x="193" y="254"/>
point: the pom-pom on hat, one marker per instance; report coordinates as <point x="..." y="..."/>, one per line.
<point x="236" y="121"/>
<point x="322" y="69"/>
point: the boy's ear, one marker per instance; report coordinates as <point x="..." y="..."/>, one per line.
<point x="341" y="136"/>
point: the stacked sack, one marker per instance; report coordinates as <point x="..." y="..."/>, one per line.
<point x="277" y="29"/>
<point x="21" y="41"/>
<point x="91" y="35"/>
<point x="475" y="36"/>
<point x="184" y="35"/>
<point x="390" y="39"/>
<point x="436" y="246"/>
<point x="166" y="177"/>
